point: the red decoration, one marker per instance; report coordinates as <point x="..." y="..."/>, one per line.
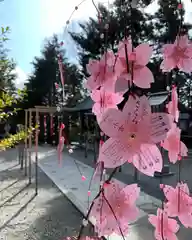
<point x="180" y="6"/>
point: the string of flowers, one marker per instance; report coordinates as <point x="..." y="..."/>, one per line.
<point x="134" y="135"/>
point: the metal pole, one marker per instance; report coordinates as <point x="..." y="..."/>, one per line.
<point x="36" y="151"/>
<point x="30" y="144"/>
<point x="26" y="151"/>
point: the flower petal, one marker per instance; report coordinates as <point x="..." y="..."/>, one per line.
<point x="121" y="47"/>
<point x="186" y="219"/>
<point x="161" y="123"/>
<point x="121" y="85"/>
<point x="132" y="192"/>
<point x="96" y="95"/>
<point x="173" y="156"/>
<point x="153" y="219"/>
<point x="132" y="214"/>
<point x="148" y="160"/>
<point x="116" y="98"/>
<point x="113" y="123"/>
<point x="169" y="192"/>
<point x="96" y="109"/>
<point x="184" y="150"/>
<point x="173" y="225"/>
<point x="168" y="50"/>
<point x="114" y="153"/>
<point x="92" y="83"/>
<point x="168" y="64"/>
<point x="185" y="65"/>
<point x="109" y="83"/>
<point x="93" y="66"/>
<point x="143" y="77"/>
<point x="137" y="109"/>
<point x="143" y="54"/>
<point x="171" y="236"/>
<point x="182" y="40"/>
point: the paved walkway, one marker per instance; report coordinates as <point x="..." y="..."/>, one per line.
<point x="23" y="216"/>
<point x="68" y="180"/>
<point x="148" y="184"/>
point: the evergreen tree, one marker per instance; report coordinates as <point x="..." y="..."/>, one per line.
<point x="7" y="66"/>
<point x="41" y="84"/>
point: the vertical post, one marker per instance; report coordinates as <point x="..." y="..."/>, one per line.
<point x="135" y="175"/>
<point x="36" y="150"/>
<point x="86" y="135"/>
<point x="30" y="144"/>
<point x="80" y="130"/>
<point x="26" y="132"/>
<point x="94" y="140"/>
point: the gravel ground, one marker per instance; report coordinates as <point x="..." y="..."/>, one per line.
<point x="48" y="216"/>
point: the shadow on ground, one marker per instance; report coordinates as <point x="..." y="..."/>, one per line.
<point x="48" y="216"/>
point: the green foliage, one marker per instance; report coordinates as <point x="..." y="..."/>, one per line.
<point x="3" y="35"/>
<point x="9" y="103"/>
<point x="12" y="140"/>
<point x="8" y="107"/>
<point x="7" y="66"/>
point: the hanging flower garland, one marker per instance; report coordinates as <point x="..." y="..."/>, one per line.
<point x="134" y="135"/>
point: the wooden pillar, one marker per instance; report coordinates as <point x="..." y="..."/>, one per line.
<point x="86" y="135"/>
<point x="26" y="141"/>
<point x="36" y="150"/>
<point x="81" y="129"/>
<point x="30" y="144"/>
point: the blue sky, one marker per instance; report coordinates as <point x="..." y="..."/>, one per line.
<point x="31" y="21"/>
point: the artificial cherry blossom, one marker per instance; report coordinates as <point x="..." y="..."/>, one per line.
<point x="104" y="100"/>
<point x="137" y="60"/>
<point x="178" y="54"/>
<point x="133" y="133"/>
<point x="60" y="148"/>
<point x="179" y="203"/>
<point x="102" y="72"/>
<point x="173" y="145"/>
<point x="165" y="227"/>
<point x="172" y="106"/>
<point x="118" y="203"/>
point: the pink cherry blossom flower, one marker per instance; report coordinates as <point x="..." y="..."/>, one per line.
<point x="133" y="133"/>
<point x="173" y="145"/>
<point x="172" y="106"/>
<point x="178" y="54"/>
<point x="104" y="100"/>
<point x="165" y="227"/>
<point x="179" y="203"/>
<point x="115" y="208"/>
<point x="138" y="58"/>
<point x="102" y="72"/>
<point x="60" y="148"/>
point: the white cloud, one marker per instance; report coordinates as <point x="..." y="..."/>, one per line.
<point x="21" y="77"/>
<point x="56" y="13"/>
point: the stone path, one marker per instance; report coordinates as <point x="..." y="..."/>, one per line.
<point x="48" y="216"/>
<point x="68" y="179"/>
<point x="149" y="185"/>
